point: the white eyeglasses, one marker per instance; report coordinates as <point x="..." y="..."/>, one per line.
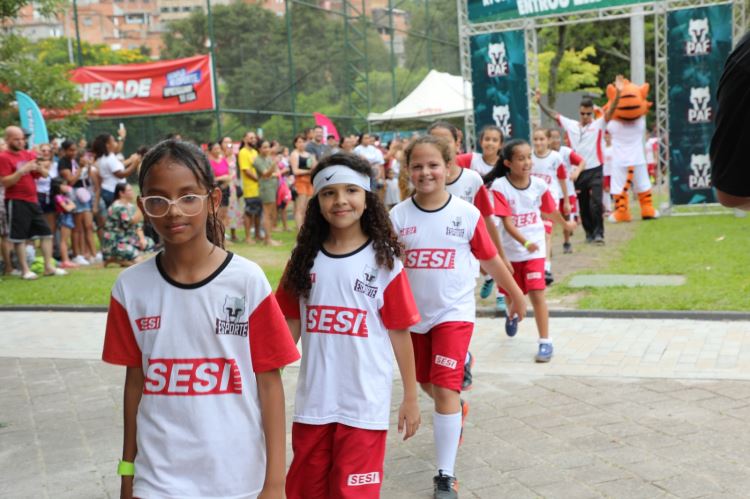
<point x="158" y="206"/>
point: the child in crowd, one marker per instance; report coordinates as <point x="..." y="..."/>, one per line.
<point x="490" y="142"/>
<point x="521" y="199"/>
<point x="346" y="295"/>
<point x="266" y="167"/>
<point x="469" y="186"/>
<point x="61" y="194"/>
<point x="392" y="192"/>
<point x="441" y="234"/>
<point x="572" y="162"/>
<point x="547" y="165"/>
<point x="203" y="340"/>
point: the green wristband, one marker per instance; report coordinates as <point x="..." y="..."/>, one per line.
<point x="126" y="468"/>
<point x="527" y="244"/>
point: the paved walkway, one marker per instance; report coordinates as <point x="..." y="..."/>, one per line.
<point x="628" y="408"/>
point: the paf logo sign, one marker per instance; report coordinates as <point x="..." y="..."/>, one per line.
<point x="700" y="98"/>
<point x="501" y="116"/>
<point x="498" y="65"/>
<point x="700" y="38"/>
<point x="700" y="171"/>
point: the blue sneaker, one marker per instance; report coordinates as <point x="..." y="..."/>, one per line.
<point x="511" y="326"/>
<point x="486" y="289"/>
<point x="545" y="352"/>
<point x="500" y="303"/>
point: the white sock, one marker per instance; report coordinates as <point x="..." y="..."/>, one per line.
<point x="487" y="278"/>
<point x="547" y="266"/>
<point x="446" y="430"/>
<point x="545" y="341"/>
<point x="468" y="357"/>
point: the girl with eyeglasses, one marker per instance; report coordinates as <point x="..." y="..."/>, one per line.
<point x="203" y="340"/>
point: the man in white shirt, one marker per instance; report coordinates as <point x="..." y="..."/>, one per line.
<point x="585" y="137"/>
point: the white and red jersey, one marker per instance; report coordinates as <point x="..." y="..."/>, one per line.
<point x="440" y="248"/>
<point x="347" y="358"/>
<point x="570" y="159"/>
<point x="551" y="170"/>
<point x="479" y="165"/>
<point x="628" y="142"/>
<point x="200" y="431"/>
<point x="585" y="140"/>
<point x="525" y="207"/>
<point x="469" y="186"/>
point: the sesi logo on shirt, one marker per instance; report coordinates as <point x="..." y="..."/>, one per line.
<point x="336" y="320"/>
<point x="233" y="313"/>
<point x="191" y="377"/>
<point x="408" y="231"/>
<point x="148" y="323"/>
<point x="430" y="258"/>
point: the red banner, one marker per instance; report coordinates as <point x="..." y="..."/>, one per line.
<point x="175" y="86"/>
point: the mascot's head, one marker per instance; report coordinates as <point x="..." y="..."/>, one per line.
<point x="632" y="104"/>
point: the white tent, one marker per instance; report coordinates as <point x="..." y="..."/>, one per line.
<point x="439" y="95"/>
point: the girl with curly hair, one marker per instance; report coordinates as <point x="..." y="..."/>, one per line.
<point x="442" y="234"/>
<point x="345" y="293"/>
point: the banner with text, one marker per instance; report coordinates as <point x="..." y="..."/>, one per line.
<point x="174" y="86"/>
<point x="498" y="75"/>
<point x="482" y="11"/>
<point x="698" y="43"/>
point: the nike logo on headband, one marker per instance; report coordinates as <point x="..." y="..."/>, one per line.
<point x="330" y="176"/>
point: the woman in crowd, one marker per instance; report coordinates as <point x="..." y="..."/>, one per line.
<point x="222" y="177"/>
<point x="234" y="210"/>
<point x="44" y="152"/>
<point x="112" y="171"/>
<point x="123" y="240"/>
<point x="302" y="162"/>
<point x="77" y="176"/>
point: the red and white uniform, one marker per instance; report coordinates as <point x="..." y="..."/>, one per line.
<point x="525" y="207"/>
<point x="474" y="161"/>
<point x="440" y="246"/>
<point x="200" y="432"/>
<point x="469" y="186"/>
<point x="347" y="363"/>
<point x="570" y="159"/>
<point x="551" y="170"/>
<point x="585" y="140"/>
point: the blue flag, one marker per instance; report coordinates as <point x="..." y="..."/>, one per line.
<point x="31" y="119"/>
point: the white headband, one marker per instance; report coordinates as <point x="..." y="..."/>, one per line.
<point x="339" y="174"/>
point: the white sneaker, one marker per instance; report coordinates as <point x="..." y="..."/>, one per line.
<point x="99" y="258"/>
<point x="57" y="272"/>
<point x="29" y="276"/>
<point x="81" y="260"/>
<point x="15" y="273"/>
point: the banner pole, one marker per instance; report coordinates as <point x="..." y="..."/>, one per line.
<point x="215" y="78"/>
<point x="78" y="34"/>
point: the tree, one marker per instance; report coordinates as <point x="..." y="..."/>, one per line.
<point x="9" y="9"/>
<point x="576" y="71"/>
<point x="55" y="51"/>
<point x="436" y="19"/>
<point x="48" y="84"/>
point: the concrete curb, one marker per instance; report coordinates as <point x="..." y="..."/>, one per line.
<point x="695" y="315"/>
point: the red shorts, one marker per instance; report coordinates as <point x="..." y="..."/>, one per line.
<point x="573" y="200"/>
<point x="529" y="275"/>
<point x="335" y="461"/>
<point x="607" y="182"/>
<point x="548" y="224"/>
<point x="440" y="353"/>
<point x="651" y="169"/>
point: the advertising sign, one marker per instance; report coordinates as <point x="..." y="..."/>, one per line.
<point x="164" y="87"/>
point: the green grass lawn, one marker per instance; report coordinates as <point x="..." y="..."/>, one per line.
<point x="91" y="286"/>
<point x="713" y="252"/>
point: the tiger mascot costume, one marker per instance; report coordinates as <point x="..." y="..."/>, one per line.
<point x="628" y="130"/>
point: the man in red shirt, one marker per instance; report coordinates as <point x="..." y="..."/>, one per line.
<point x="18" y="169"/>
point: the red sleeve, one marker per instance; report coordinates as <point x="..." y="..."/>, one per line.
<point x="399" y="311"/>
<point x="464" y="160"/>
<point x="548" y="203"/>
<point x="502" y="208"/>
<point x="120" y="346"/>
<point x="575" y="158"/>
<point x="561" y="173"/>
<point x="288" y="302"/>
<point x="482" y="246"/>
<point x="483" y="202"/>
<point x="271" y="343"/>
